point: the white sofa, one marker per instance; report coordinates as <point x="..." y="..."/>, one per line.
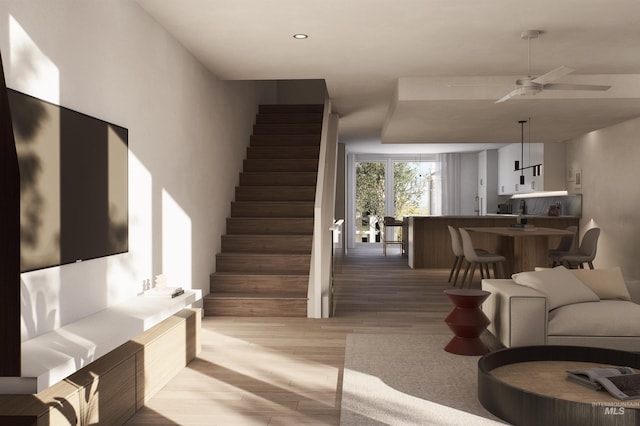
<point x="563" y="307"/>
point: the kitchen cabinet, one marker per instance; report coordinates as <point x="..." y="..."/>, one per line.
<point x="509" y="179"/>
<point x="554" y="167"/>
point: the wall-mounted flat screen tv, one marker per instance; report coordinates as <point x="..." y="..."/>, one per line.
<point x="73" y="184"/>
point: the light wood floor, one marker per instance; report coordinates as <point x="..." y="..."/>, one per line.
<point x="288" y="371"/>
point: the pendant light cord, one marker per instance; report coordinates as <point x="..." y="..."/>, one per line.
<point x="522" y="147"/>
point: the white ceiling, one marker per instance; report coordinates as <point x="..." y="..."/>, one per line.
<point x="427" y="71"/>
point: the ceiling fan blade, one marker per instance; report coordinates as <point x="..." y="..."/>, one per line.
<point x="561" y="86"/>
<point x="511" y="94"/>
<point x="553" y="75"/>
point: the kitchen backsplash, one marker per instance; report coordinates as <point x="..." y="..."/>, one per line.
<point x="570" y="205"/>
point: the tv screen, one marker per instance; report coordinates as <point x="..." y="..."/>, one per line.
<point x="73" y="184"/>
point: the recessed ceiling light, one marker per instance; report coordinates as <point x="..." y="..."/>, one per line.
<point x="300" y="36"/>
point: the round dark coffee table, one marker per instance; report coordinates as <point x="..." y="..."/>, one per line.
<point x="467" y="321"/>
<point x="527" y="386"/>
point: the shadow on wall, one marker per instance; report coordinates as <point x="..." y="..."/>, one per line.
<point x="28" y="117"/>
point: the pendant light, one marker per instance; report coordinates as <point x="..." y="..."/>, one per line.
<point x="519" y="165"/>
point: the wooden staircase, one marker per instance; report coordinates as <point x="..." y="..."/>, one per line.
<point x="263" y="267"/>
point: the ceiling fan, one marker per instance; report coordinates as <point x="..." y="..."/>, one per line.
<point x="534" y="85"/>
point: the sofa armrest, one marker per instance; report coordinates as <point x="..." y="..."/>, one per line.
<point x="518" y="314"/>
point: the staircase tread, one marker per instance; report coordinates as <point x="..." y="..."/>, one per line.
<point x="275" y="147"/>
<point x="273" y="221"/>
<point x="278" y="172"/>
<point x="278" y="187"/>
<point x="276" y="201"/>
<point x="255" y="274"/>
<point x="255" y="296"/>
<point x="267" y="235"/>
<point x="263" y="254"/>
<point x="308" y="160"/>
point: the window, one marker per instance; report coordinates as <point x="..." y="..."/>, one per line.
<point x="396" y="186"/>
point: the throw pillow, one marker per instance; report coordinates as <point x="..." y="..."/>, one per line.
<point x="606" y="283"/>
<point x="559" y="285"/>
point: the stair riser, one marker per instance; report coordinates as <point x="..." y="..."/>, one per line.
<point x="284" y="152"/>
<point x="270" y="193"/>
<point x="255" y="308"/>
<point x="289" y="264"/>
<point x="258" y="284"/>
<point x="290" y="109"/>
<point x="287" y="129"/>
<point x="271" y="209"/>
<point x="269" y="226"/>
<point x="283" y="118"/>
<point x="278" y="178"/>
<point x="269" y="244"/>
<point x="285" y="140"/>
<point x="277" y="165"/>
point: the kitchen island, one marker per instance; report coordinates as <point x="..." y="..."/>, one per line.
<point x="429" y="241"/>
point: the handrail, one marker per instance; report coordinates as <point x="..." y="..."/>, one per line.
<point x="320" y="268"/>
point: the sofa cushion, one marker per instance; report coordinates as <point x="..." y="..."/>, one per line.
<point x="559" y="285"/>
<point x="611" y="318"/>
<point x="606" y="283"/>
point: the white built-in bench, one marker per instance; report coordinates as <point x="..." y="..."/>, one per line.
<point x="51" y="357"/>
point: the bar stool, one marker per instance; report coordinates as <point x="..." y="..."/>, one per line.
<point x="474" y="258"/>
<point x="388" y="222"/>
<point x="566" y="242"/>
<point x="456" y="247"/>
<point x="586" y="252"/>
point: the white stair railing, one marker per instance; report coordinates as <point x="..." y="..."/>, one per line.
<point x="319" y="295"/>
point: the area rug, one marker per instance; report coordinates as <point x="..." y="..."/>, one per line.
<point x="409" y="380"/>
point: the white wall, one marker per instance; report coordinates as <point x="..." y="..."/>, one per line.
<point x="187" y="137"/>
<point x="608" y="159"/>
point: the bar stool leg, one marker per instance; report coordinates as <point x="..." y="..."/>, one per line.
<point x="473" y="270"/>
<point x="455" y="279"/>
<point x="464" y="276"/>
<point x="453" y="268"/>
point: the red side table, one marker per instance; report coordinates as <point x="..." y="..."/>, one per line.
<point x="467" y="321"/>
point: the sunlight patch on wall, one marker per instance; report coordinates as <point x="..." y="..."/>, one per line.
<point x="31" y="70"/>
<point x="176" y="243"/>
<point x="140" y="224"/>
